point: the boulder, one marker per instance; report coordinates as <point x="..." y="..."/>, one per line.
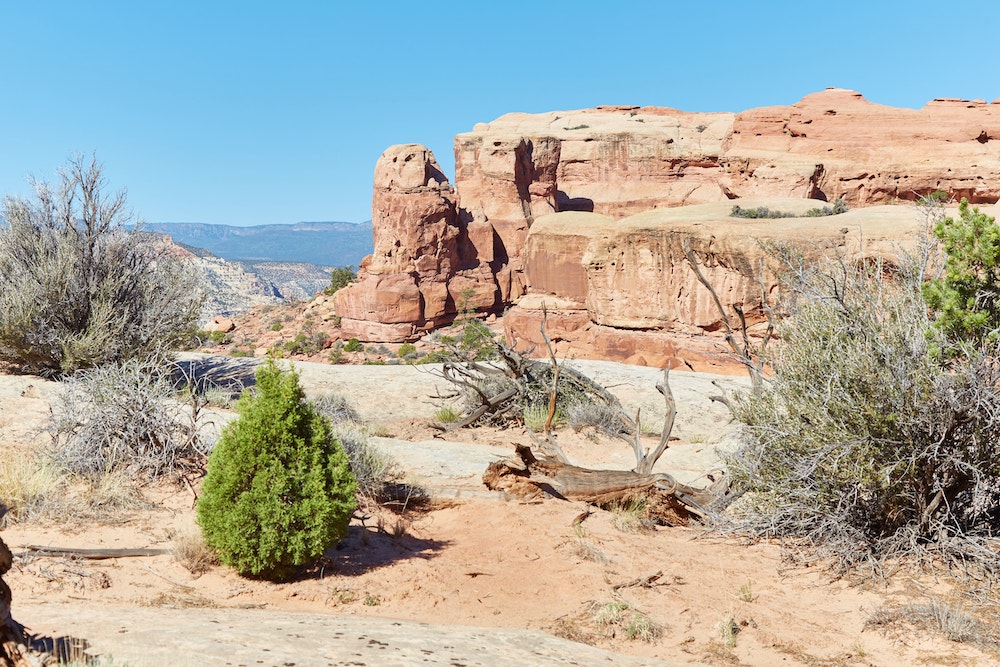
<point x="220" y="323"/>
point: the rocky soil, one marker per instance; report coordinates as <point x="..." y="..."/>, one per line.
<point x="469" y="577"/>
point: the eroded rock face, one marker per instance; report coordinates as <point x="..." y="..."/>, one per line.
<point x="837" y="144"/>
<point x="626" y="291"/>
<point x="476" y="243"/>
<point x="417" y="277"/>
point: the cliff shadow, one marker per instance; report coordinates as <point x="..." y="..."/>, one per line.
<point x="566" y="203"/>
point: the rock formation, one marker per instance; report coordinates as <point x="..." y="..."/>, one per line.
<point x="434" y="242"/>
<point x="624" y="290"/>
<point x="423" y="269"/>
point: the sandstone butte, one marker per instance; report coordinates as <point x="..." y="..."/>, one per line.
<point x="587" y="212"/>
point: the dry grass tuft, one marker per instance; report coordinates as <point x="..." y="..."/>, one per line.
<point x="949" y="619"/>
<point x="631" y="516"/>
<point x="620" y="617"/>
<point x="32" y="488"/>
<point x="189" y="549"/>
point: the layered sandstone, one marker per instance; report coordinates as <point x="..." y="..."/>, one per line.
<point x="627" y="292"/>
<point x="422" y="270"/>
<point x="436" y="245"/>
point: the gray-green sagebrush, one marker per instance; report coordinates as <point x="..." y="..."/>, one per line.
<point x="82" y="287"/>
<point x="866" y="442"/>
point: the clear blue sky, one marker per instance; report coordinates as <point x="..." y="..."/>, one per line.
<point x="271" y="112"/>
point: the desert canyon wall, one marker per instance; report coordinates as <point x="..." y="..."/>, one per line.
<point x="587" y="212"/>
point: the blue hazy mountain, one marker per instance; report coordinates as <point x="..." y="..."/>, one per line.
<point x="324" y="243"/>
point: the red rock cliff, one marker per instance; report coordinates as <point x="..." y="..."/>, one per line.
<point x="434" y="243"/>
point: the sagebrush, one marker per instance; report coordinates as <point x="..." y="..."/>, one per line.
<point x="126" y="418"/>
<point x="83" y="287"/>
<point x="865" y="443"/>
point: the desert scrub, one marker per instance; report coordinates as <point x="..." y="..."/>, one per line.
<point x="353" y="345"/>
<point x="125" y="418"/>
<point x="279" y="489"/>
<point x="877" y="436"/>
<point x="83" y="286"/>
<point x="376" y="472"/>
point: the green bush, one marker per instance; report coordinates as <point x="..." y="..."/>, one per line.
<point x="279" y="490"/>
<point x="81" y="288"/>
<point x="353" y="345"/>
<point x="340" y="277"/>
<point x="967" y="297"/>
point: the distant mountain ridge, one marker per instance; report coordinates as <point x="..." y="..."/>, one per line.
<point x="326" y="244"/>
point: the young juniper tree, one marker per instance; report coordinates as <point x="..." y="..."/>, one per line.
<point x="81" y="287"/>
<point x="279" y="490"/>
<point x="967" y="297"/>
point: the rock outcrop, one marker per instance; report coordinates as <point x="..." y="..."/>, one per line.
<point x="423" y="269"/>
<point x="625" y="291"/>
<point x="434" y="242"/>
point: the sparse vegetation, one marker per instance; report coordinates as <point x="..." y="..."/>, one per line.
<point x="447" y="415"/>
<point x="81" y="288"/>
<point x="306" y="344"/>
<point x="951" y="620"/>
<point x="125" y="418"/>
<point x="631" y="516"/>
<point x="867" y="444"/>
<point x="621" y="617"/>
<point x="728" y="629"/>
<point x="188" y="548"/>
<point x="279" y="489"/>
<point x="763" y="212"/>
<point x="340" y="277"/>
<point x="353" y="345"/>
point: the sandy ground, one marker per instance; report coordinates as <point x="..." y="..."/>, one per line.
<point x="467" y="559"/>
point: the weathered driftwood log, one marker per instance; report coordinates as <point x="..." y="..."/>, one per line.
<point x="667" y="501"/>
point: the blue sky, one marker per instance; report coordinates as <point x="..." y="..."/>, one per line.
<point x="274" y="112"/>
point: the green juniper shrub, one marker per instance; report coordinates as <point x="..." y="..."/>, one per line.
<point x="967" y="297"/>
<point x="340" y="277"/>
<point x="279" y="490"/>
<point x="353" y="345"/>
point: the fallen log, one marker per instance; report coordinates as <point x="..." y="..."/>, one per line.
<point x="667" y="501"/>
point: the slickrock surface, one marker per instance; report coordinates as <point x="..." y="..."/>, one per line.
<point x="144" y="637"/>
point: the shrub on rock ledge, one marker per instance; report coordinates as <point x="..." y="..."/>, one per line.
<point x="279" y="490"/>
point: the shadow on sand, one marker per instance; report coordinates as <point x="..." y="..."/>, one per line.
<point x="368" y="548"/>
<point x="228" y="373"/>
